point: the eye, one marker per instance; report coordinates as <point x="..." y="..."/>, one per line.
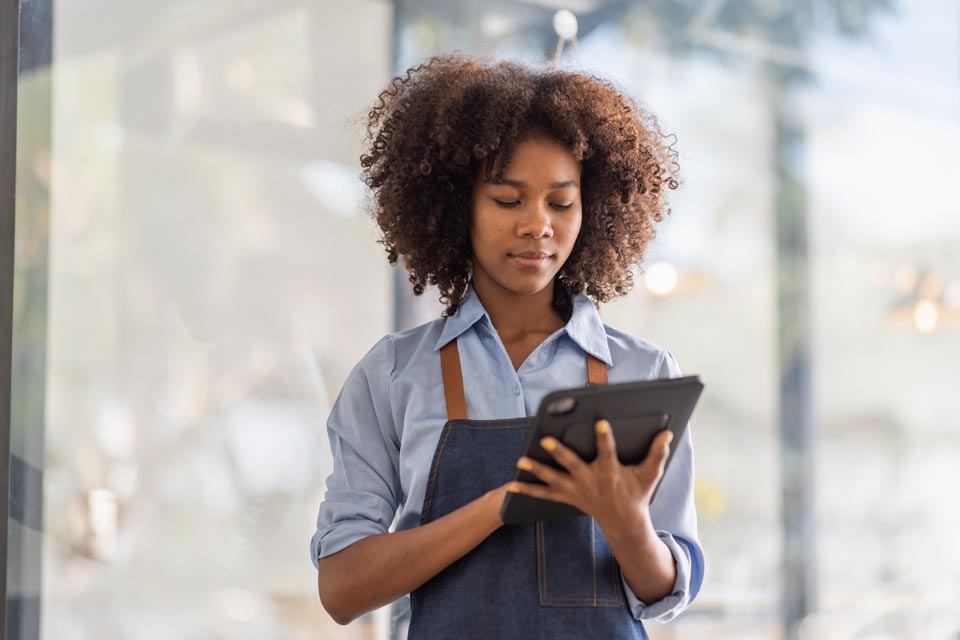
<point x="510" y="205"/>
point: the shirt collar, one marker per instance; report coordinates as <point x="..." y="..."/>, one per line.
<point x="585" y="326"/>
<point x="467" y="314"/>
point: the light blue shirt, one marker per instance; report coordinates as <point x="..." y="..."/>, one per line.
<point x="386" y="422"/>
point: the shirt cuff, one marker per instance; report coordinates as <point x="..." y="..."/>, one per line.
<point x="671" y="605"/>
<point x="337" y="538"/>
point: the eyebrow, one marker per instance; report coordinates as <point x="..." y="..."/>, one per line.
<point x="553" y="185"/>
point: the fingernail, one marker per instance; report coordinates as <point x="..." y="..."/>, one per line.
<point x="603" y="426"/>
<point x="513" y="488"/>
<point x="669" y="438"/>
<point x="548" y="444"/>
<point x="524" y="463"/>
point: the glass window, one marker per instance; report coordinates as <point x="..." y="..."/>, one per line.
<point x="195" y="275"/>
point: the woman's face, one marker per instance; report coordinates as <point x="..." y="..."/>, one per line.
<point x="523" y="229"/>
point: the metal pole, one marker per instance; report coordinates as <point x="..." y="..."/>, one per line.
<point x="9" y="60"/>
<point x="794" y="350"/>
<point x="26" y="209"/>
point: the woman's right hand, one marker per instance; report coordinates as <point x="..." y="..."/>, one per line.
<point x="380" y="568"/>
<point x="494" y="500"/>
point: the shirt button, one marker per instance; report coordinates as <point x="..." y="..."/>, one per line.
<point x="516" y="390"/>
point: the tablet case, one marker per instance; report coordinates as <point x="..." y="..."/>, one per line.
<point x="637" y="411"/>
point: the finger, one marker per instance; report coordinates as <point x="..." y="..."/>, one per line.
<point x="535" y="490"/>
<point x="565" y="456"/>
<point x="546" y="473"/>
<point x="606" y="444"/>
<point x="657" y="458"/>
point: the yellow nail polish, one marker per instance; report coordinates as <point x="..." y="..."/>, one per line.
<point x="523" y="463"/>
<point x="603" y="427"/>
<point x="548" y="444"/>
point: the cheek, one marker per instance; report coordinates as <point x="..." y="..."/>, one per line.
<point x="571" y="229"/>
<point x="484" y="232"/>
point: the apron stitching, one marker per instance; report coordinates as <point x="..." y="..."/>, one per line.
<point x="541" y="578"/>
<point x="572" y="601"/>
<point x="436" y="468"/>
<point x="560" y="602"/>
<point x="616" y="581"/>
<point x="613" y="573"/>
<point x="543" y="538"/>
<point x="503" y="423"/>
<point x="491" y="427"/>
<point x="587" y="601"/>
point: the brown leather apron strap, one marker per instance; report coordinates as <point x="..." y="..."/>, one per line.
<point x="453" y="378"/>
<point x="596" y="370"/>
<point x="453" y="381"/>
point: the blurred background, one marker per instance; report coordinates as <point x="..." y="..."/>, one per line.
<point x="194" y="276"/>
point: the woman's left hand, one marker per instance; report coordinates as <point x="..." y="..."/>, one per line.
<point x="617" y="495"/>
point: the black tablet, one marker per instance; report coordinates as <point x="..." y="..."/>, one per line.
<point x="636" y="411"/>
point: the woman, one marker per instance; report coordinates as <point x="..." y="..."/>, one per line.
<point x="524" y="196"/>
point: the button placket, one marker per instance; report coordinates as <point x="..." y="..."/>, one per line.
<point x="520" y="405"/>
<point x="516" y="387"/>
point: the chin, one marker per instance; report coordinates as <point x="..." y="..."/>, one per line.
<point x="527" y="284"/>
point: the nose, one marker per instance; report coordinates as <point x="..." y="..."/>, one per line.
<point x="535" y="223"/>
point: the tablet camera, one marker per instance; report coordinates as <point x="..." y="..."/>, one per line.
<point x="561" y="406"/>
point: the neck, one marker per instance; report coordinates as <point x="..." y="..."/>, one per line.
<point x="515" y="315"/>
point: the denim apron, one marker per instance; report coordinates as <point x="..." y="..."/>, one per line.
<point x="547" y="579"/>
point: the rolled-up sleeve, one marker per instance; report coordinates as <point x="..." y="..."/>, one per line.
<point x="362" y="491"/>
<point x="675" y="520"/>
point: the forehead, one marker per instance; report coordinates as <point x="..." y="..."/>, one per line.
<point x="537" y="159"/>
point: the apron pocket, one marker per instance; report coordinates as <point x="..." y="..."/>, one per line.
<point x="575" y="565"/>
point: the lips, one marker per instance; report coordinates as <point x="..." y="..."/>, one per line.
<point x="530" y="260"/>
<point x="531" y="254"/>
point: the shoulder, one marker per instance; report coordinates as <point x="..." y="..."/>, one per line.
<point x="641" y="357"/>
<point x="370" y="386"/>
<point x="397" y="351"/>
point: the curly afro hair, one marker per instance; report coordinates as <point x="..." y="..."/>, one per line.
<point x="431" y="131"/>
